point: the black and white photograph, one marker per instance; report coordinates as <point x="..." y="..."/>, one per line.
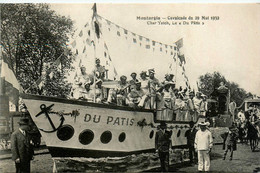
<point x="130" y="87"/>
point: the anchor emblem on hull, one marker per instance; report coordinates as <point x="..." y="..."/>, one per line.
<point x="46" y="110"/>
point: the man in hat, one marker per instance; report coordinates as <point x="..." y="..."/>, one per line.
<point x="190" y="135"/>
<point x="134" y="96"/>
<point x="203" y="144"/>
<point x="133" y="80"/>
<point x="163" y="145"/>
<point x="153" y="85"/>
<point x="22" y="150"/>
<point x="144" y="81"/>
<point x="180" y="107"/>
<point x="203" y="106"/>
<point x="122" y="91"/>
<point x="197" y="103"/>
<point x="169" y="78"/>
<point x="100" y="70"/>
<point x="191" y="108"/>
<point x="166" y="104"/>
<point x="230" y="141"/>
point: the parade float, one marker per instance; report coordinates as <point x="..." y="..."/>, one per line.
<point x="75" y="131"/>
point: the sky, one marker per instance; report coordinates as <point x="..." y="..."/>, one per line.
<point x="229" y="45"/>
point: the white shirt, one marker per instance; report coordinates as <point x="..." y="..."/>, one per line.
<point x="203" y="140"/>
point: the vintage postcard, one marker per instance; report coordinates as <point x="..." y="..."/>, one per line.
<point x="115" y="87"/>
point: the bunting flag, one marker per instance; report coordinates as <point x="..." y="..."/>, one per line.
<point x="74" y="44"/>
<point x="86" y="25"/>
<point x="84" y="49"/>
<point x="182" y="59"/>
<point x="174" y="57"/>
<point x="183" y="68"/>
<point x="105" y="46"/>
<point x="88" y="41"/>
<point x="140" y="38"/>
<point x="97" y="29"/>
<point x="81" y="33"/>
<point x="179" y="43"/>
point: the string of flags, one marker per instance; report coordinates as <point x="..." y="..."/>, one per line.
<point x="136" y="38"/>
<point x="182" y="61"/>
<point x="88" y="33"/>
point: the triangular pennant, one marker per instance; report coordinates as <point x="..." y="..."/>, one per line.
<point x="115" y="72"/>
<point x="97" y="29"/>
<point x="118" y="33"/>
<point x="125" y="31"/>
<point x="81" y="33"/>
<point x="88" y="41"/>
<point x="105" y="45"/>
<point x="86" y="25"/>
<point x="182" y="59"/>
<point x="84" y="49"/>
<point x="134" y="40"/>
<point x="179" y="43"/>
<point x="140" y="38"/>
<point x="153" y="43"/>
<point x="74" y="43"/>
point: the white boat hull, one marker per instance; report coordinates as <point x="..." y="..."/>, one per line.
<point x="82" y="129"/>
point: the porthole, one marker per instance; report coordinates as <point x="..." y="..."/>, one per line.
<point x="179" y="133"/>
<point x="121" y="137"/>
<point x="106" y="137"/>
<point x="65" y="132"/>
<point x="86" y="137"/>
<point x="151" y="134"/>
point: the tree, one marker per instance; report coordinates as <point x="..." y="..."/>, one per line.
<point x="32" y="36"/>
<point x="209" y="82"/>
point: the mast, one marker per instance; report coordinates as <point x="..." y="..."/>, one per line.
<point x="94" y="8"/>
<point x="176" y="66"/>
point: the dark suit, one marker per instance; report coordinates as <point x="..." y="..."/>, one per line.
<point x="22" y="149"/>
<point x="229" y="143"/>
<point x="190" y="135"/>
<point x="162" y="144"/>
